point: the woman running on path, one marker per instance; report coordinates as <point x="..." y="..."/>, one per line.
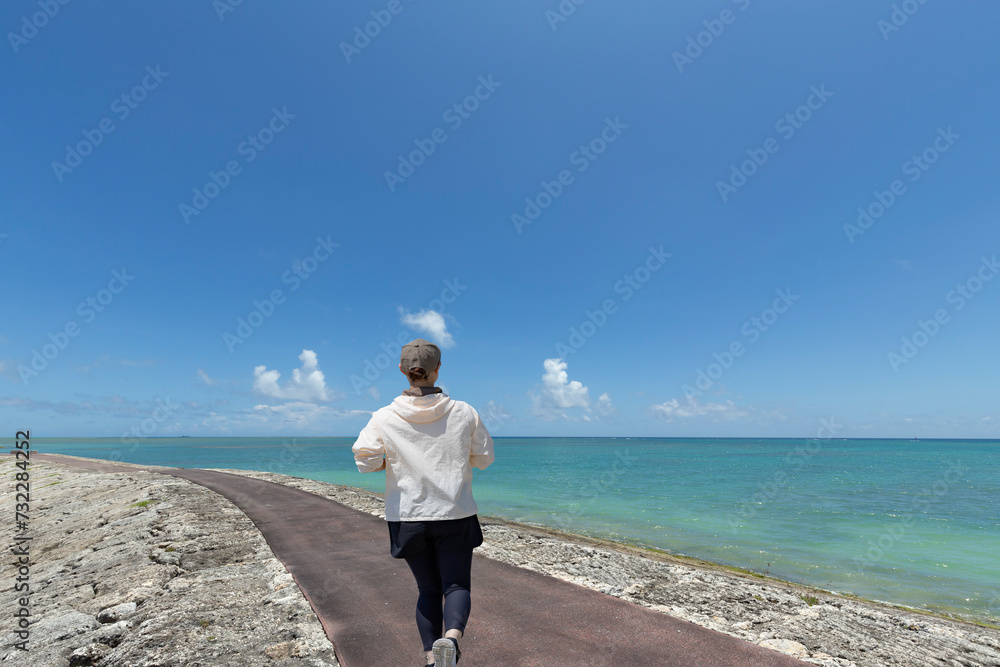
<point x="428" y="444"/>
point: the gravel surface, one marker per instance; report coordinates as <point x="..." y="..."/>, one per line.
<point x="144" y="570"/>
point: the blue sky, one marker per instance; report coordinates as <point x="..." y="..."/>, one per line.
<point x="637" y="220"/>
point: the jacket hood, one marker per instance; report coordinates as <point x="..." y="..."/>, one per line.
<point x="422" y="409"/>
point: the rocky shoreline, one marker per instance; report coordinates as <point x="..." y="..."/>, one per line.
<point x="144" y="570"/>
<point x="809" y="624"/>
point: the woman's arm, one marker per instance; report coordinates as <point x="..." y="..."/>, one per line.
<point x="481" y="454"/>
<point x="369" y="451"/>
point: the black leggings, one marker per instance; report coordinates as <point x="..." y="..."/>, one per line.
<point x="447" y="574"/>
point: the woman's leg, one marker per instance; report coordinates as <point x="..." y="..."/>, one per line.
<point x="429" y="615"/>
<point x="456" y="583"/>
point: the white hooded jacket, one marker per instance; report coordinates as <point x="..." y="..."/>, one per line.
<point x="428" y="446"/>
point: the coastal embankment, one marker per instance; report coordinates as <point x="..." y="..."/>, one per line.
<point x="143" y="569"/>
<point x="140" y="570"/>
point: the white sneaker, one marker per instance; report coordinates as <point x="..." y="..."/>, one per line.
<point x="446" y="652"/>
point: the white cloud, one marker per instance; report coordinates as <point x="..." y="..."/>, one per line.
<point x="374" y="393"/>
<point x="563" y="392"/>
<point x="8" y="369"/>
<point x="604" y="406"/>
<point x="308" y="383"/>
<point x="86" y="368"/>
<point x="494" y="415"/>
<point x="138" y="362"/>
<point x="559" y="395"/>
<point x="115" y="407"/>
<point x="430" y="323"/>
<point x="302" y="414"/>
<point x="205" y="378"/>
<point x="692" y="408"/>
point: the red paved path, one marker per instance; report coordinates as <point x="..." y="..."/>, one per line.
<point x="365" y="599"/>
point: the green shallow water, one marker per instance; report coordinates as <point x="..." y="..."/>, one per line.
<point x="907" y="522"/>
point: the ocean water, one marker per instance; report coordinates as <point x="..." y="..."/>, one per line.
<point x="908" y="522"/>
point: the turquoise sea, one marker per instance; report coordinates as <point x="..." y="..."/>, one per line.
<point x="908" y="522"/>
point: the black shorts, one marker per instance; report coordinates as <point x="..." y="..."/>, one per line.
<point x="408" y="538"/>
